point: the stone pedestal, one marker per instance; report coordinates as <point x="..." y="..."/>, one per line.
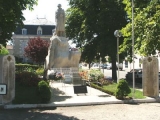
<point x="7" y="76"/>
<point x="59" y="55"/>
<point x="150" y="77"/>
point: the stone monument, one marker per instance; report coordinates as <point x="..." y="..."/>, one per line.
<point x="150" y="77"/>
<point x="59" y="54"/>
<point x="7" y="77"/>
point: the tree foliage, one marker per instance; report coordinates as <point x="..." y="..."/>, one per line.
<point x="37" y="50"/>
<point x="146" y="27"/>
<point x="91" y="25"/>
<point x="3" y="50"/>
<point x="11" y="16"/>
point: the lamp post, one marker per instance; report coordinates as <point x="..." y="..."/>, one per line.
<point x="0" y="30"/>
<point x="118" y="35"/>
<point x="99" y="62"/>
<point x="133" y="47"/>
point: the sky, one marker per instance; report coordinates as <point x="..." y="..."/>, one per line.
<point x="45" y="8"/>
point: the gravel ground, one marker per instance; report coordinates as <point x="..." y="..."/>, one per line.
<point x="148" y="111"/>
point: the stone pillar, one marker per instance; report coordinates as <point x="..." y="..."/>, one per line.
<point x="7" y="76"/>
<point x="150" y="77"/>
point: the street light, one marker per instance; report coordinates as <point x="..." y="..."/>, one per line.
<point x="133" y="47"/>
<point x="0" y="30"/>
<point x="118" y="35"/>
<point x="99" y="62"/>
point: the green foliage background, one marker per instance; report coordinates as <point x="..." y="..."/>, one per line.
<point x="3" y="50"/>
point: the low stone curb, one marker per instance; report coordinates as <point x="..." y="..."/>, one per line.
<point x="63" y="104"/>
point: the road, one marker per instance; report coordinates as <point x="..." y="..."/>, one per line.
<point x="147" y="111"/>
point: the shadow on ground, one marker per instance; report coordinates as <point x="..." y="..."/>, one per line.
<point x="33" y="114"/>
<point x="58" y="95"/>
<point x="104" y="95"/>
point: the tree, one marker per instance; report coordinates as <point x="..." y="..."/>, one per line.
<point x="91" y="25"/>
<point x="37" y="50"/>
<point x="146" y="27"/>
<point x="11" y="16"/>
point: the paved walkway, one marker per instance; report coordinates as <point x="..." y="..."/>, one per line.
<point x="63" y="95"/>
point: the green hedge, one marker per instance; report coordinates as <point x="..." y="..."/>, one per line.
<point x="101" y="89"/>
<point x="26" y="67"/>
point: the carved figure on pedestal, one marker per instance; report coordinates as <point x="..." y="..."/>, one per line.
<point x="59" y="55"/>
<point x="60" y="21"/>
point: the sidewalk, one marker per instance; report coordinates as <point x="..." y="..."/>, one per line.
<point x="63" y="95"/>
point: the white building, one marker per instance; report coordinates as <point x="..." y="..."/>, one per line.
<point x="39" y="27"/>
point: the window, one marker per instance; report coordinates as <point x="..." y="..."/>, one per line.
<point x="39" y="31"/>
<point x="23" y="44"/>
<point x="24" y="31"/>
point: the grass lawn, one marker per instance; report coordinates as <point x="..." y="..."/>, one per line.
<point x="112" y="88"/>
<point x="26" y="95"/>
<point x="138" y="94"/>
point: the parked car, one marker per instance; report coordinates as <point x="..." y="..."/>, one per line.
<point x="120" y="66"/>
<point x="138" y="76"/>
<point x="137" y="73"/>
<point x="95" y="66"/>
<point x="104" y="66"/>
<point x="109" y="67"/>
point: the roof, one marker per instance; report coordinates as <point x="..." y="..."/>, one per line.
<point x="32" y="29"/>
<point x="38" y="21"/>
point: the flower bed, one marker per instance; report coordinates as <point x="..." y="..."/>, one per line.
<point x="56" y="76"/>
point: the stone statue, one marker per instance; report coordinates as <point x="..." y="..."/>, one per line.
<point x="60" y="21"/>
<point x="59" y="54"/>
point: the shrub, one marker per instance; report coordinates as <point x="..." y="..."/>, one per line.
<point x="106" y="82"/>
<point x="27" y="78"/>
<point x="83" y="74"/>
<point x="95" y="75"/>
<point x="37" y="50"/>
<point x="3" y="50"/>
<point x="40" y="71"/>
<point x="122" y="89"/>
<point x="44" y="91"/>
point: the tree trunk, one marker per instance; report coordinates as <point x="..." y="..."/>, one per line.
<point x="114" y="68"/>
<point x="89" y="65"/>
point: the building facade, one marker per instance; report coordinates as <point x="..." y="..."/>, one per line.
<point x="138" y="62"/>
<point x="39" y="27"/>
